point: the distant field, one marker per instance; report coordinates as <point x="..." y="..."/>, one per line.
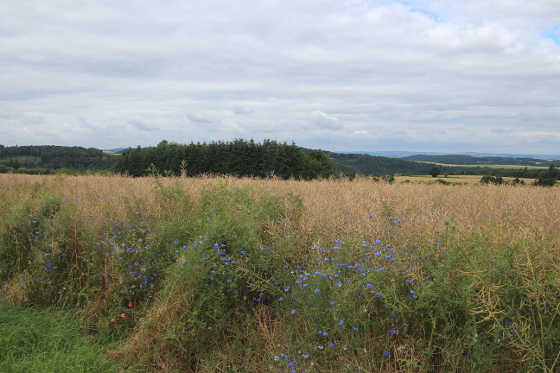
<point x="487" y="165"/>
<point x="470" y="179"/>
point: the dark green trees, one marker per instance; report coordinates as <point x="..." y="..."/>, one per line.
<point x="26" y="158"/>
<point x="237" y="158"/>
<point x="435" y="171"/>
<point x="319" y="165"/>
<point x="13" y="164"/>
<point x="487" y="179"/>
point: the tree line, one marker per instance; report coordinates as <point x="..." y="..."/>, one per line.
<point x="44" y="158"/>
<point x="236" y="158"/>
<point x="365" y="164"/>
<point x="240" y="158"/>
<point x="543" y="173"/>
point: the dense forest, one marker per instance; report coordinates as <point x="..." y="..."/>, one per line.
<point x="353" y="164"/>
<point x="457" y="159"/>
<point x="44" y="158"/>
<point x="236" y="158"/>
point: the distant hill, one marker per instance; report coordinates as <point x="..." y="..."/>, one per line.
<point x="118" y="150"/>
<point x="403" y="154"/>
<point x="50" y="157"/>
<point x="458" y="159"/>
<point x="351" y="164"/>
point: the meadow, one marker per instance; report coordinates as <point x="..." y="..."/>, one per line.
<point x="217" y="274"/>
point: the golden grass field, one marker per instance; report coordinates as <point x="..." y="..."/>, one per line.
<point x="339" y="204"/>
<point x="496" y="246"/>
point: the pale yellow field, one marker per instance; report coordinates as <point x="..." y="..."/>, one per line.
<point x="337" y="205"/>
<point x="486" y="246"/>
<point x="452" y="179"/>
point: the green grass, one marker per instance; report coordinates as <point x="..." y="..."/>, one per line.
<point x="47" y="341"/>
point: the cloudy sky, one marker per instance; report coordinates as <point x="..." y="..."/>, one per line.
<point x="418" y="75"/>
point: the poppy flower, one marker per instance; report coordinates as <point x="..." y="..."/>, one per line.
<point x="129" y="304"/>
<point x="123" y="315"/>
<point x="113" y="319"/>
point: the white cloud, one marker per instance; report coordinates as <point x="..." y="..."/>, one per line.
<point x="363" y="134"/>
<point x="240" y="110"/>
<point x="141" y="124"/>
<point x="417" y="74"/>
<point x="198" y="118"/>
<point x="325" y="121"/>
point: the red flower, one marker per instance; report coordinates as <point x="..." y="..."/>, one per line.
<point x="130" y="304"/>
<point x="123" y="315"/>
<point x="113" y="319"/>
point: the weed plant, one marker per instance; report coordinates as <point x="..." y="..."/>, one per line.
<point x="250" y="275"/>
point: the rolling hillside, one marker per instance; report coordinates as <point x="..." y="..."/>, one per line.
<point x="455" y="159"/>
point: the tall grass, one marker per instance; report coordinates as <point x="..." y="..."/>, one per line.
<point x="246" y="275"/>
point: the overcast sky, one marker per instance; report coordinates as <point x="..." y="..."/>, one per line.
<point x="425" y="75"/>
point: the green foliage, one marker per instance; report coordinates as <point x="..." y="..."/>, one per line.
<point x="545" y="182"/>
<point x="319" y="165"/>
<point x="36" y="341"/>
<point x="351" y="164"/>
<point x="388" y="178"/>
<point x="492" y="180"/>
<point x="435" y="171"/>
<point x="16" y="242"/>
<point x="237" y="158"/>
<point x="217" y="283"/>
<point x="59" y="260"/>
<point x="42" y="159"/>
